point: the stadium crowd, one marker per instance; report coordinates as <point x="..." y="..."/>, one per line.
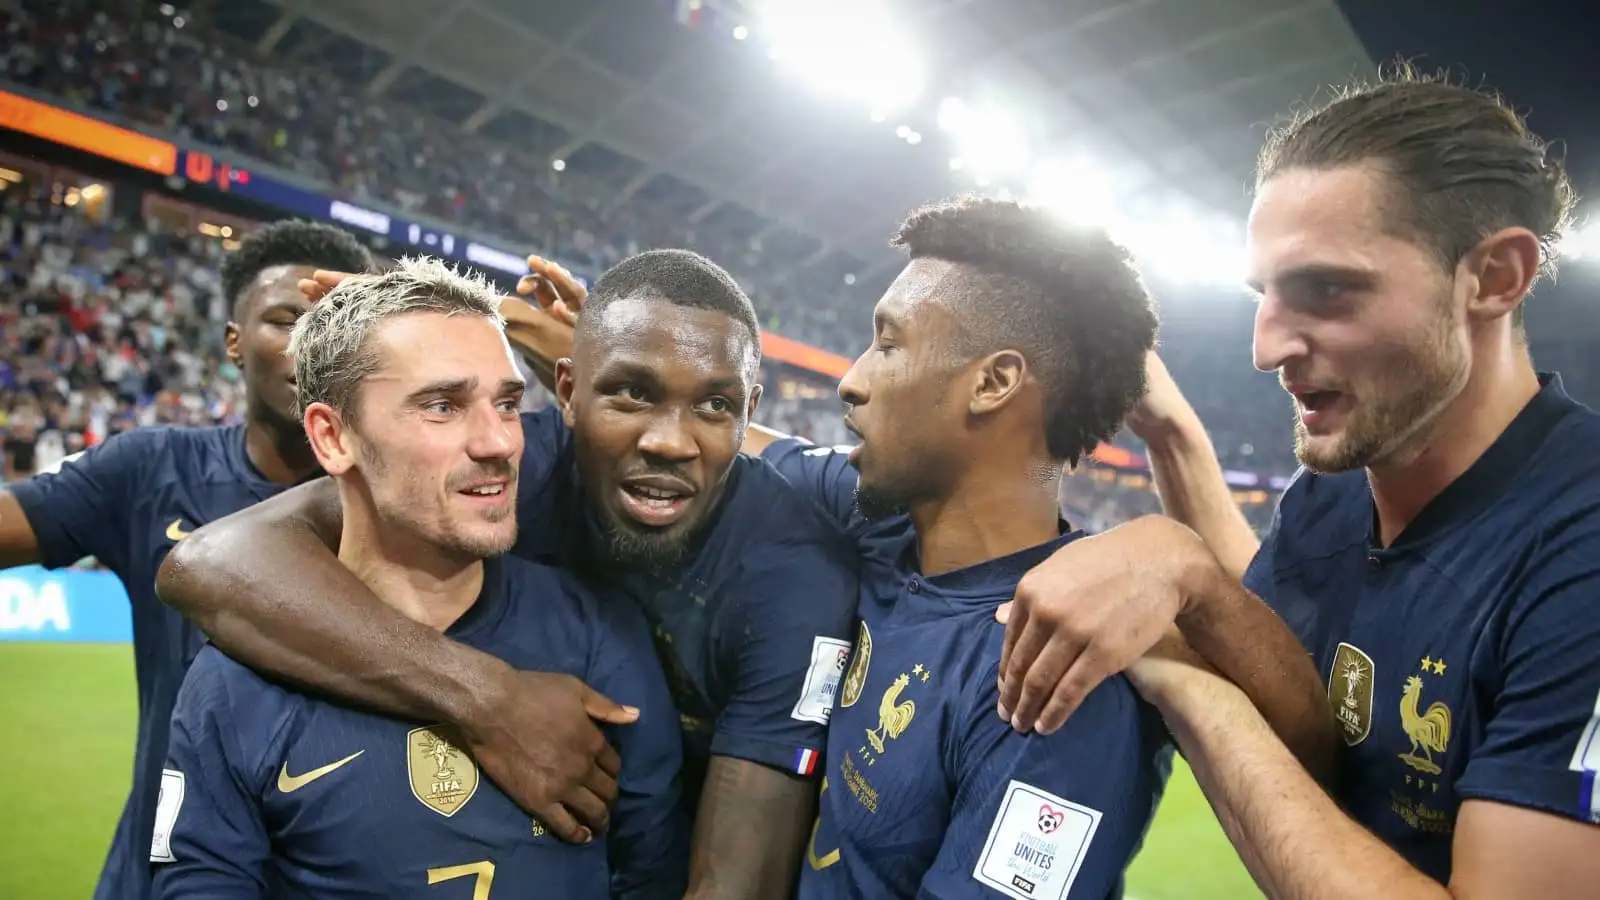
<point x="171" y="73"/>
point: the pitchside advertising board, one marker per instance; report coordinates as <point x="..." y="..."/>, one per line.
<point x="64" y="605"/>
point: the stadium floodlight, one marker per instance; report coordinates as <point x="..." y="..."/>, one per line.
<point x="852" y="48"/>
<point x="1580" y="243"/>
<point x="990" y="140"/>
<point x="1072" y="189"/>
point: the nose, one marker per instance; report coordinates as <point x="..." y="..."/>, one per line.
<point x="669" y="436"/>
<point x="491" y="436"/>
<point x="1278" y="338"/>
<point x="852" y="387"/>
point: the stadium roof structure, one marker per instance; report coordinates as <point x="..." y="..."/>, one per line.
<point x="1172" y="95"/>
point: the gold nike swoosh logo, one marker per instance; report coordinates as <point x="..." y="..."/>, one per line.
<point x="175" y="531"/>
<point x="288" y="784"/>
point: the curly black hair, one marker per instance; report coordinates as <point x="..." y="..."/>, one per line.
<point x="290" y="242"/>
<point x="1068" y="298"/>
<point x="678" y="277"/>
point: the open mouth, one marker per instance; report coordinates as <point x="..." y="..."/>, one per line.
<point x="1317" y="407"/>
<point x="655" y="500"/>
<point x="489" y="493"/>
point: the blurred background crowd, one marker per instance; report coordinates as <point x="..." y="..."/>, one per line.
<point x="111" y="315"/>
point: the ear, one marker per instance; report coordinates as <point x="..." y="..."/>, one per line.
<point x="997" y="379"/>
<point x="1498" y="273"/>
<point x="230" y="343"/>
<point x="330" y="440"/>
<point x="755" y="401"/>
<point x="565" y="384"/>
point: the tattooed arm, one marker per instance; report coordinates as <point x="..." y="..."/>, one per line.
<point x="750" y="832"/>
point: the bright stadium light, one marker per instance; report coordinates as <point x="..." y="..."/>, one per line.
<point x="1580" y="243"/>
<point x="853" y="48"/>
<point x="990" y="140"/>
<point x="1072" y="189"/>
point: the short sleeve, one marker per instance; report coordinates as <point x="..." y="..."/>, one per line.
<point x="1542" y="745"/>
<point x="210" y="840"/>
<point x="822" y="473"/>
<point x="648" y="844"/>
<point x="790" y="634"/>
<point x="83" y="509"/>
<point x="1052" y="817"/>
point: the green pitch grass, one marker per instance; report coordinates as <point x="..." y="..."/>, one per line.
<point x="70" y="712"/>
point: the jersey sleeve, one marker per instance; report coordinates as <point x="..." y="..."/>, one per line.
<point x="1542" y="746"/>
<point x="1051" y="817"/>
<point x="648" y="844"/>
<point x="823" y="473"/>
<point x="83" y="509"/>
<point x="789" y="636"/>
<point x="210" y="840"/>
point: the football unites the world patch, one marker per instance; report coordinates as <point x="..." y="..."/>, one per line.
<point x="1036" y="845"/>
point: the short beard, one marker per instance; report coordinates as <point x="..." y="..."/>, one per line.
<point x="1433" y="380"/>
<point x="876" y="503"/>
<point x="652" y="552"/>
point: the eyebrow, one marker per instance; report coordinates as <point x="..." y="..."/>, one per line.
<point x="1318" y="271"/>
<point x="627" y="370"/>
<point x="458" y="386"/>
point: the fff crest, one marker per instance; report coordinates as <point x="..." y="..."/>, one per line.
<point x="443" y="776"/>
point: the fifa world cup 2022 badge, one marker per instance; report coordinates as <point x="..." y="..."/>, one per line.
<point x="1036" y="844"/>
<point x="443" y="775"/>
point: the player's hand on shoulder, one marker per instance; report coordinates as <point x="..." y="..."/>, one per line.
<point x="1089" y="612"/>
<point x="538" y="740"/>
<point x="557" y="292"/>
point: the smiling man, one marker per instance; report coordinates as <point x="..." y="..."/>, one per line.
<point x="410" y="398"/>
<point x="634" y="483"/>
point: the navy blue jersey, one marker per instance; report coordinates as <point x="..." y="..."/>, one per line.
<point x="1460" y="660"/>
<point x="126" y="502"/>
<point x="751" y="631"/>
<point x="270" y="792"/>
<point x="962" y="805"/>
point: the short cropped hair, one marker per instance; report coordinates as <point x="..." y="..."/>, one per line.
<point x="331" y="343"/>
<point x="1067" y="297"/>
<point x="289" y="243"/>
<point x="1462" y="163"/>
<point x="679" y="277"/>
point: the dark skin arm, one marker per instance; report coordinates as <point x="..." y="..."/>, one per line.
<point x="265" y="586"/>
<point x="750" y="832"/>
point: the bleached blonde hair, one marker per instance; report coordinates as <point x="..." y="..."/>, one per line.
<point x="330" y="344"/>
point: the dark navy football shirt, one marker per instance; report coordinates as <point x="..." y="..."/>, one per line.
<point x="751" y="631"/>
<point x="1460" y="660"/>
<point x="928" y="793"/>
<point x="270" y="792"/>
<point x="126" y="502"/>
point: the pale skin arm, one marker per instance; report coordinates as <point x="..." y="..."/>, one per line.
<point x="1187" y="473"/>
<point x="1299" y="845"/>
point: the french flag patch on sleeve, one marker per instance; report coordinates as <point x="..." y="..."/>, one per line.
<point x="805" y="761"/>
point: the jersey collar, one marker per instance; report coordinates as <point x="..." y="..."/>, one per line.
<point x="986" y="581"/>
<point x="491" y="603"/>
<point x="1486" y="480"/>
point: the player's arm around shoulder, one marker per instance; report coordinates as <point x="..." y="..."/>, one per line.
<point x="80" y="509"/>
<point x="822" y="474"/>
<point x="1048" y="816"/>
<point x="210" y="838"/>
<point x="648" y="843"/>
<point x="790" y="629"/>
